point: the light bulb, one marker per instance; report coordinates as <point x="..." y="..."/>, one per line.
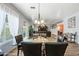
<point x="36" y="21"/>
<point x="42" y="21"/>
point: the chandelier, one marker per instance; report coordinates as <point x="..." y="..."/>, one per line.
<point x="39" y="22"/>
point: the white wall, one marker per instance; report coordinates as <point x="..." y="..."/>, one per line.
<point x="66" y="29"/>
<point x="72" y="30"/>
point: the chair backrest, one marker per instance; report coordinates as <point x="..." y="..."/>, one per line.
<point x="48" y="34"/>
<point x="31" y="49"/>
<point x="19" y="38"/>
<point x="56" y="49"/>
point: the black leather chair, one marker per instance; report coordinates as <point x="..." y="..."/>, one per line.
<point x="19" y="38"/>
<point x="48" y="34"/>
<point x="31" y="49"/>
<point x="56" y="49"/>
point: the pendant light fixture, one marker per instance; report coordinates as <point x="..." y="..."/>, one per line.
<point x="39" y="22"/>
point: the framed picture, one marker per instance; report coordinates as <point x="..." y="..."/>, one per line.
<point x="72" y="22"/>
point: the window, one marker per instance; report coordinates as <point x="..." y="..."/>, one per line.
<point x="5" y="34"/>
<point x="9" y="22"/>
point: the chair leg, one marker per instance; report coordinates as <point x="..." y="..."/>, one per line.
<point x="18" y="52"/>
<point x="21" y="52"/>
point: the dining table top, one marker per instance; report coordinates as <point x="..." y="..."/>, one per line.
<point x="40" y="39"/>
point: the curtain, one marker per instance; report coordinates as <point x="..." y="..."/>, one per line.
<point x="13" y="25"/>
<point x="2" y="20"/>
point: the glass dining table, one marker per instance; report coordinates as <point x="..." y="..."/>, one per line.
<point x="39" y="39"/>
<point x="42" y="40"/>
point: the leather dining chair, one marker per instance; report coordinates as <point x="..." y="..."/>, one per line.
<point x="19" y="39"/>
<point x="31" y="49"/>
<point x="56" y="49"/>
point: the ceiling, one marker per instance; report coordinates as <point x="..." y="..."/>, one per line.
<point x="49" y="12"/>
